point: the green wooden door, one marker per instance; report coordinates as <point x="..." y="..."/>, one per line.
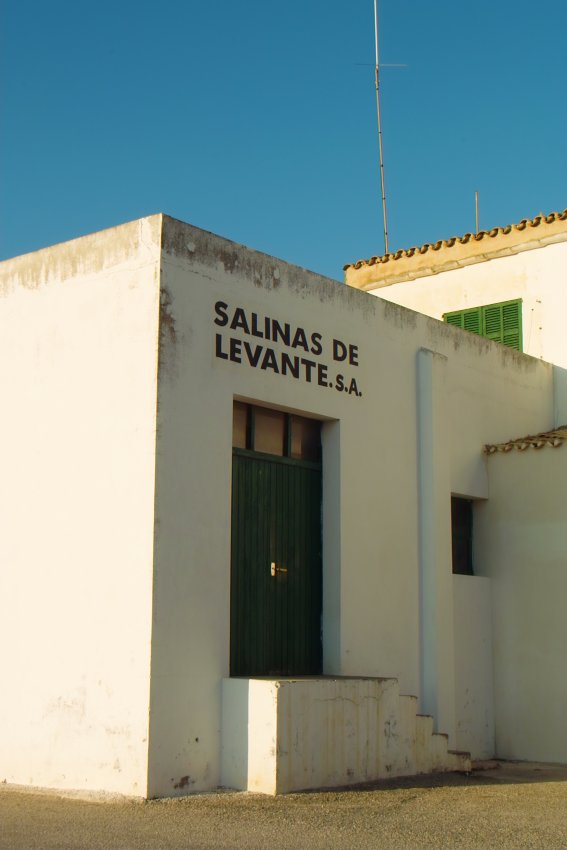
<point x="276" y="574"/>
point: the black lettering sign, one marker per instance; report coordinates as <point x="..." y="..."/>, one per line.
<point x="340" y="350"/>
<point x="270" y="361"/>
<point x="281" y="333"/>
<point x="316" y="346"/>
<point x="218" y="350"/>
<point x="290" y="365"/>
<point x="343" y="351"/>
<point x="255" y="329"/>
<point x="235" y="350"/>
<point x="253" y="357"/>
<point x="239" y="320"/>
<point x="222" y="315"/>
<point x="300" y="340"/>
<point x="238" y="345"/>
<point x="309" y="366"/>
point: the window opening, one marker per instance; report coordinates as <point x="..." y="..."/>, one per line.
<point x="462" y="535"/>
<point x="269" y="431"/>
<point x="262" y="429"/>
<point x="305" y="438"/>
<point x="240" y="425"/>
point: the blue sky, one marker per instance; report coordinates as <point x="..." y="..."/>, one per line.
<point x="256" y="120"/>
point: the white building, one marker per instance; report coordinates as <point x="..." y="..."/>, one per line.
<point x="521" y="264"/>
<point x="508" y="284"/>
<point x="226" y="553"/>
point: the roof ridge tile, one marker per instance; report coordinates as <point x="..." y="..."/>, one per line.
<point x="536" y="221"/>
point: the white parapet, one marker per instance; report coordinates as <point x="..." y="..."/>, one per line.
<point x="282" y="735"/>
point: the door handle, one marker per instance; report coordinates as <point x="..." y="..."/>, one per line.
<point x="274" y="570"/>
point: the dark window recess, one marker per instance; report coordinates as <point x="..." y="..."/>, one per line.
<point x="304" y="438"/>
<point x="261" y="429"/>
<point x="269" y="431"/>
<point x="240" y="425"/>
<point x="500" y="322"/>
<point x="462" y="535"/>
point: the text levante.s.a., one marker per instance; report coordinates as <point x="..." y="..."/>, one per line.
<point x="243" y="347"/>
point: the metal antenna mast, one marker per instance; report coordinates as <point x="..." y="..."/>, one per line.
<point x="377" y="80"/>
<point x="476" y="210"/>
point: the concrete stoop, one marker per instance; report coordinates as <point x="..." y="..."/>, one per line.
<point x="282" y="735"/>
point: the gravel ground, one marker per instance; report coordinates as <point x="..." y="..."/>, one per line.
<point x="513" y="805"/>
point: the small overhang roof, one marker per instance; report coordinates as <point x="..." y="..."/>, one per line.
<point x="554" y="439"/>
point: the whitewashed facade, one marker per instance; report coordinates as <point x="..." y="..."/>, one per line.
<point x="123" y="354"/>
<point x="520" y="531"/>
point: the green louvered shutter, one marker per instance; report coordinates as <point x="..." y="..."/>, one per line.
<point x="503" y="323"/>
<point x="512" y="325"/>
<point x="455" y="319"/>
<point x="472" y="321"/>
<point x="469" y="320"/>
<point x="492" y="322"/>
<point x="499" y="322"/>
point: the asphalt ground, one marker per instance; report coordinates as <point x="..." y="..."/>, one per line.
<point x="511" y="805"/>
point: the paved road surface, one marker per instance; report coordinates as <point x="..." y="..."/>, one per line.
<point x="515" y="806"/>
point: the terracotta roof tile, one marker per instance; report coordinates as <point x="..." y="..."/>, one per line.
<point x="526" y="224"/>
<point x="554" y="438"/>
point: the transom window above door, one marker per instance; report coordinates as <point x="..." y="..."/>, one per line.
<point x="261" y="429"/>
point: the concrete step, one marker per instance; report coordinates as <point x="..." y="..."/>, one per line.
<point x="282" y="735"/>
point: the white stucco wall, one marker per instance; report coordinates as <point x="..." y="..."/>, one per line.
<point x="521" y="542"/>
<point x="371" y="610"/>
<point x="78" y="359"/>
<point x="474" y="693"/>
<point x="82" y="325"/>
<point x="536" y="276"/>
